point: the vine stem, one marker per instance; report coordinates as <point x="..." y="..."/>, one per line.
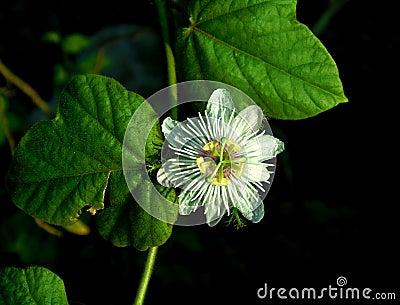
<point x="148" y="269"/>
<point x="171" y="71"/>
<point x="26" y="88"/>
<point x="323" y="22"/>
<point x="4" y="123"/>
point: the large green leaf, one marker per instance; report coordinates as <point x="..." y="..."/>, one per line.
<point x="125" y="224"/>
<point x="62" y="167"/>
<point x="31" y="286"/>
<point x="259" y="47"/>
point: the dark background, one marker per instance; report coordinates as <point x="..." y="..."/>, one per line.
<point x="332" y="210"/>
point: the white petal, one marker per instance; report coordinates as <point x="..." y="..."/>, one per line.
<point x="167" y="125"/>
<point x="256" y="172"/>
<point x="264" y="147"/>
<point x="244" y="204"/>
<point x="248" y="200"/>
<point x="214" y="222"/>
<point x="255" y="215"/>
<point x="181" y="135"/>
<point x="220" y="105"/>
<point x="248" y="121"/>
<point x="215" y="209"/>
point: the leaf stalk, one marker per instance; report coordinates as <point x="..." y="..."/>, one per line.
<point x="148" y="269"/>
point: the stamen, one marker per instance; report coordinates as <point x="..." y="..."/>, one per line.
<point x="210" y="177"/>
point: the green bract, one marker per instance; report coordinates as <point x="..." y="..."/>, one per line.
<point x="258" y="46"/>
<point x="64" y="167"/>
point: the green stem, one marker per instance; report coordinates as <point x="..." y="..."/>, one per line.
<point x="25" y="87"/>
<point x="171" y="72"/>
<point x="4" y="123"/>
<point x="144" y="282"/>
<point x="323" y="22"/>
<point x="163" y="18"/>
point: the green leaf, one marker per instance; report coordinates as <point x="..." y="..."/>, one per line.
<point x="259" y="47"/>
<point x="63" y="167"/>
<point x="34" y="285"/>
<point x="127" y="224"/>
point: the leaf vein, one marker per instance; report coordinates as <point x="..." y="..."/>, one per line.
<point x="197" y="56"/>
<point x="226" y="13"/>
<point x="246" y="78"/>
<point x="28" y="286"/>
<point x="232" y="47"/>
<point x="112" y="116"/>
<point x="63" y="201"/>
<point x="72" y="176"/>
<point x="96" y="120"/>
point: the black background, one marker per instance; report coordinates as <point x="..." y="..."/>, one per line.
<point x="333" y="207"/>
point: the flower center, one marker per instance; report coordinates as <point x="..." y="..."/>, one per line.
<point x="218" y="161"/>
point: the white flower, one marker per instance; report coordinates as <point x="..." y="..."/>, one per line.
<point x="218" y="160"/>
